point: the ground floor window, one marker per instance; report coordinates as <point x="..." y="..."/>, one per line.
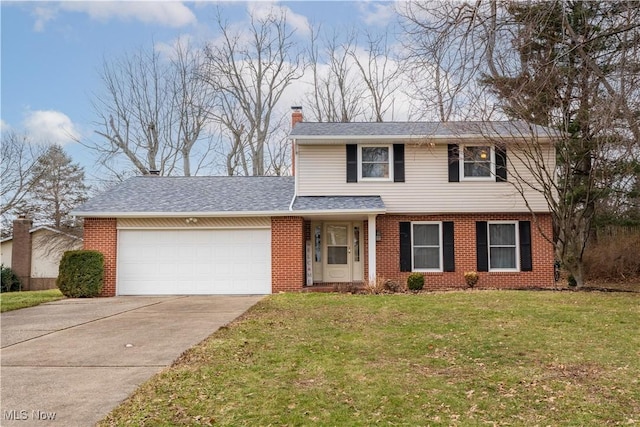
<point x="503" y="246"/>
<point x="426" y="246"/>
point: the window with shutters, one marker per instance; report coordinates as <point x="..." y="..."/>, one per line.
<point x="426" y="246"/>
<point x="376" y="162"/>
<point x="503" y="246"/>
<point x="477" y="163"/>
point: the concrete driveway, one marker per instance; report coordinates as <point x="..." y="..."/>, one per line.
<point x="70" y="362"/>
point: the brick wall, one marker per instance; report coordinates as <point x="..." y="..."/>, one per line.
<point x="100" y="234"/>
<point x="287" y="254"/>
<point x="21" y="251"/>
<point x="388" y="252"/>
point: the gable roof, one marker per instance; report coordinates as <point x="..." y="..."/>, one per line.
<point x="210" y="195"/>
<point x="47" y="228"/>
<point x="413" y="130"/>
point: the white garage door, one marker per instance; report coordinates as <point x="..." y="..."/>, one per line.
<point x="184" y="262"/>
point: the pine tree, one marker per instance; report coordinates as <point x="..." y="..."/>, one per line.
<point x="58" y="187"/>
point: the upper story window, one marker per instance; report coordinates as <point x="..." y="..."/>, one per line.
<point x="376" y="162"/>
<point x="477" y="163"/>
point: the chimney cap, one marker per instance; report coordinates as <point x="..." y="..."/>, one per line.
<point x="154" y="172"/>
<point x="296" y="108"/>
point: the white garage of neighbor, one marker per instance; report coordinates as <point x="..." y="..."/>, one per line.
<point x="194" y="261"/>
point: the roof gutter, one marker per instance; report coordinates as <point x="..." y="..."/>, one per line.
<point x="229" y="214"/>
<point x="311" y="139"/>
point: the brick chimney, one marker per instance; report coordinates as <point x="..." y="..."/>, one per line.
<point x="296" y="117"/>
<point x="21" y="250"/>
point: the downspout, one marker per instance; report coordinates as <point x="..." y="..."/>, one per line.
<point x="295" y="177"/>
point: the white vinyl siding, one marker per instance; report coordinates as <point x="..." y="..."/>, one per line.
<point x="321" y="171"/>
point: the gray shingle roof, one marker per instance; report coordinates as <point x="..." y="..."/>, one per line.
<point x="155" y="194"/>
<point x="418" y="129"/>
<point x="325" y="203"/>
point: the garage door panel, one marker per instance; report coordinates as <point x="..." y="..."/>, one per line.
<point x="194" y="262"/>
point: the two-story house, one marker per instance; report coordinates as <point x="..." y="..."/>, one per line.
<point x="366" y="201"/>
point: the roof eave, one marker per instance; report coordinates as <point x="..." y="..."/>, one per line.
<point x="293" y="212"/>
<point x="342" y="212"/>
<point x="313" y="139"/>
<point x="229" y="214"/>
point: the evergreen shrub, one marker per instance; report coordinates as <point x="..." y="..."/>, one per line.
<point x="81" y="274"/>
<point x="415" y="282"/>
<point x="10" y="281"/>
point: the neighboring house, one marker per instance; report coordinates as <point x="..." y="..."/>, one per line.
<point x="34" y="254"/>
<point x="367" y="201"/>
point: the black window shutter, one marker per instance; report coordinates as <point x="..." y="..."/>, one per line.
<point x="405" y="246"/>
<point x="501" y="163"/>
<point x="448" y="246"/>
<point x="453" y="159"/>
<point x="526" y="263"/>
<point x="398" y="162"/>
<point x="352" y="163"/>
<point x="482" y="246"/>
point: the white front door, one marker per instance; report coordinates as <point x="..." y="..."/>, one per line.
<point x="337" y="237"/>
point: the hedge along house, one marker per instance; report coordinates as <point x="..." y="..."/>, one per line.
<point x="367" y="201"/>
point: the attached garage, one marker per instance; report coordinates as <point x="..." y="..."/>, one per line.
<point x="196" y="235"/>
<point x="194" y="261"/>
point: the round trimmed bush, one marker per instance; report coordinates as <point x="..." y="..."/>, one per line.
<point x="10" y="281"/>
<point x="415" y="282"/>
<point x="81" y="274"/>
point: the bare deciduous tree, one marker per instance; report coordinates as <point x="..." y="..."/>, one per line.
<point x="249" y="69"/>
<point x="338" y="90"/>
<point x="153" y="112"/>
<point x="19" y="158"/>
<point x="444" y="47"/>
<point x="572" y="66"/>
<point x="381" y="74"/>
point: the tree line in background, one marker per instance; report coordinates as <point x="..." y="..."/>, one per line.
<point x="573" y="66"/>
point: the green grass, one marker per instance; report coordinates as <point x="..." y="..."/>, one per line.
<point x="16" y="300"/>
<point x="439" y="359"/>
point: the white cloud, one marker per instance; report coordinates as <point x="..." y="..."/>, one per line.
<point x="4" y="126"/>
<point x="168" y="13"/>
<point x="49" y="126"/>
<point x="264" y="9"/>
<point x="43" y="15"/>
<point x="169" y="50"/>
<point x="377" y="13"/>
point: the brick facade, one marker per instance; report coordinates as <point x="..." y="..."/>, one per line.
<point x="388" y="252"/>
<point x="101" y="234"/>
<point x="287" y="253"/>
<point x="288" y="235"/>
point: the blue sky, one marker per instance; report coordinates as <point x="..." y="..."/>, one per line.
<point x="52" y="51"/>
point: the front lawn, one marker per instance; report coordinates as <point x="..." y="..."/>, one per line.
<point x="458" y="358"/>
<point x="15" y="300"/>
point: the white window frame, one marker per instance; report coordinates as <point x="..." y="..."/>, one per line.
<point x="517" y="245"/>
<point x="440" y="251"/>
<point x="492" y="159"/>
<point x="389" y="148"/>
